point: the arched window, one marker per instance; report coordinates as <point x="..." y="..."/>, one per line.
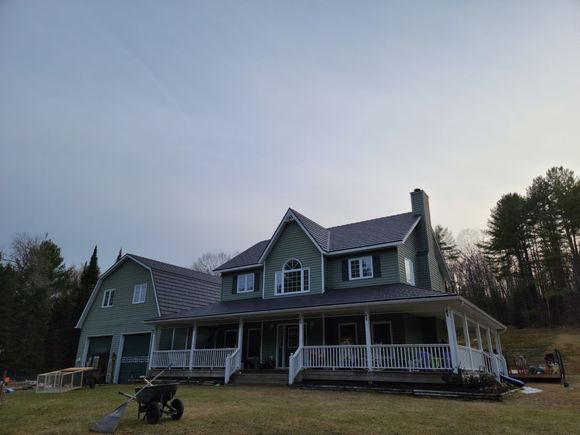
<point x="293" y="278"/>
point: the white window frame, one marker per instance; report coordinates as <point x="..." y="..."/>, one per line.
<point x="409" y="271"/>
<point x="360" y="268"/>
<point x="108" y="297"/>
<point x="245" y="279"/>
<point x="139" y="290"/>
<point x="279" y="279"/>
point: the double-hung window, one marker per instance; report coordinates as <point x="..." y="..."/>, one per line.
<point x="409" y="271"/>
<point x="139" y="292"/>
<point x="360" y="268"/>
<point x="293" y="278"/>
<point x="245" y="283"/>
<point x="108" y="298"/>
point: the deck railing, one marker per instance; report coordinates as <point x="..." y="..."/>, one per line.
<point x="175" y="358"/>
<point x="211" y="358"/>
<point x="335" y="357"/>
<point x="411" y="356"/>
<point x="200" y="358"/>
<point x="233" y="363"/>
<point x="295" y="364"/>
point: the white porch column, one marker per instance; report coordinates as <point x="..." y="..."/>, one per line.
<point x="452" y="338"/>
<point x="498" y="344"/>
<point x="153" y="347"/>
<point x="368" y="340"/>
<point x="467" y="339"/>
<point x="301" y="331"/>
<point x="478" y="335"/>
<point x="494" y="360"/>
<point x="193" y="344"/>
<point x="323" y="329"/>
<point x="489" y="343"/>
<point x="241" y="334"/>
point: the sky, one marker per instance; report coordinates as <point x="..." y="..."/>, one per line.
<point x="174" y="128"/>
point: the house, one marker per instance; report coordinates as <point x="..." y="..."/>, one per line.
<point x="364" y="301"/>
<point x="114" y="337"/>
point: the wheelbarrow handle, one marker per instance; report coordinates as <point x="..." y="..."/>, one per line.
<point x="126" y="395"/>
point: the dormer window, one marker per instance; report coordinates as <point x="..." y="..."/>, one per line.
<point x="293" y="278"/>
<point x="360" y="268"/>
<point x="245" y="283"/>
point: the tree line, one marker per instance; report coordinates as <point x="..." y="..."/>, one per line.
<point x="41" y="301"/>
<point x="524" y="267"/>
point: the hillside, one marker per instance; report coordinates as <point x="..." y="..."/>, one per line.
<point x="533" y="342"/>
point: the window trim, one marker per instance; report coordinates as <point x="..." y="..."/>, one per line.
<point x="108" y="297"/>
<point x="410" y="271"/>
<point x="142" y="292"/>
<point x="360" y="260"/>
<point x="279" y="279"/>
<point x="245" y="289"/>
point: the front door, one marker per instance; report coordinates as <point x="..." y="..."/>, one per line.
<point x="287" y="344"/>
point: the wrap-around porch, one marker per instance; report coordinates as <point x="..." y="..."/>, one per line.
<point x="375" y="340"/>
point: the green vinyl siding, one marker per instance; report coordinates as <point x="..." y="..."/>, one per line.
<point x="123" y="317"/>
<point x="228" y="284"/>
<point x="389" y="270"/>
<point x="293" y="243"/>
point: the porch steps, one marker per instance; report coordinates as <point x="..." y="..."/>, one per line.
<point x="260" y="378"/>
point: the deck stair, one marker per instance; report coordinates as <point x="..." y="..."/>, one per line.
<point x="260" y="377"/>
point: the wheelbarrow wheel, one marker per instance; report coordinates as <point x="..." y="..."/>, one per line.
<point x="153" y="412"/>
<point x="177" y="405"/>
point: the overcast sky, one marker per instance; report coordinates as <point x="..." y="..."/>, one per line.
<point x="172" y="128"/>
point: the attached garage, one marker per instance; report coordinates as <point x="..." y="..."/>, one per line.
<point x="98" y="355"/>
<point x="135" y="357"/>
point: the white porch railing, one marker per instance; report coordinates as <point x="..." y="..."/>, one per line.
<point x="478" y="360"/>
<point x="233" y="363"/>
<point x="411" y="356"/>
<point x="383" y="357"/>
<point x="175" y="358"/>
<point x="335" y="357"/>
<point x="200" y="358"/>
<point x="295" y="364"/>
<point x="211" y="358"/>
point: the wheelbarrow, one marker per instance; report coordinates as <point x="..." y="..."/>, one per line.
<point x="156" y="400"/>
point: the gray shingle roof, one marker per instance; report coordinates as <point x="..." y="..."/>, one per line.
<point x="248" y="257"/>
<point x="388" y="229"/>
<point x="180" y="288"/>
<point x="391" y="292"/>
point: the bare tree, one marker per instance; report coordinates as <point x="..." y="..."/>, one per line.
<point x="209" y="261"/>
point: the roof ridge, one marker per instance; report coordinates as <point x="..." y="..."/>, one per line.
<point x="369" y="220"/>
<point x="185" y="269"/>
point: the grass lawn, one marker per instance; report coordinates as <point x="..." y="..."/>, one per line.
<point x="252" y="410"/>
<point x="255" y="410"/>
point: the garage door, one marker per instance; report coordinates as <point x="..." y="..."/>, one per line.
<point x="135" y="357"/>
<point x="98" y="356"/>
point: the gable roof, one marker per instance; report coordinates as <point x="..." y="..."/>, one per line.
<point x="250" y="257"/>
<point x="373" y="233"/>
<point x="175" y="288"/>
